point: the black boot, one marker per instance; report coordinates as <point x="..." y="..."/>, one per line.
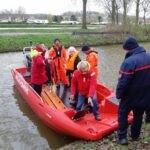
<point x="147" y="118"/>
<point x="123" y="141"/>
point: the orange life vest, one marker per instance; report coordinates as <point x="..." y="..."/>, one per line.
<point x="58" y="55"/>
<point x="71" y="60"/>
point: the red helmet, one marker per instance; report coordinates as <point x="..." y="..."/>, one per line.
<point x="39" y="48"/>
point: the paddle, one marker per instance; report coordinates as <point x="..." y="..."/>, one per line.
<point x="82" y="113"/>
<point x="53" y="74"/>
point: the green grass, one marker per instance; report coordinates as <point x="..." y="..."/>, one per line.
<point x="17" y="42"/>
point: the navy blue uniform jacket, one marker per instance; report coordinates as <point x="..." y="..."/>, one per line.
<point x="133" y="86"/>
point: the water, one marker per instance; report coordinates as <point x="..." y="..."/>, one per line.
<point x="20" y="128"/>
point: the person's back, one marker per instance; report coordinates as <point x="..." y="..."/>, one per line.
<point x="133" y="89"/>
<point x="137" y="64"/>
<point x="92" y="58"/>
<point x="38" y="72"/>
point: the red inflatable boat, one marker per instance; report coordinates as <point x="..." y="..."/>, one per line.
<point x="55" y="111"/>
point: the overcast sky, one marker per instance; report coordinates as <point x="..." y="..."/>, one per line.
<point x="48" y="6"/>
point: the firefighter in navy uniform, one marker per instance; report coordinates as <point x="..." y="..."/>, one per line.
<point x="133" y="89"/>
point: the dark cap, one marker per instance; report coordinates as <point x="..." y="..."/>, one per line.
<point x="85" y="48"/>
<point x="130" y="43"/>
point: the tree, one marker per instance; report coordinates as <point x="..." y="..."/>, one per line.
<point x="50" y="18"/>
<point x="125" y="4"/>
<point x="84" y="26"/>
<point x="20" y="12"/>
<point x="73" y="18"/>
<point x="137" y="11"/>
<point x="112" y="8"/>
<point x="113" y="14"/>
<point x="84" y="2"/>
<point x="99" y="19"/>
<point x="108" y="7"/>
<point x="117" y="7"/>
<point x="146" y="10"/>
<point x="9" y="14"/>
<point x="57" y="19"/>
<point x="124" y="12"/>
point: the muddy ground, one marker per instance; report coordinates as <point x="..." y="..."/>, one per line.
<point x="108" y="142"/>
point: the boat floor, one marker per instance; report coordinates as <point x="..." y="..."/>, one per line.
<point x="64" y="94"/>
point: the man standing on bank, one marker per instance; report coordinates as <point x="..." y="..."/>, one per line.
<point x="133" y="89"/>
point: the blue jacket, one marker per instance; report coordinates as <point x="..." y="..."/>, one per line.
<point x="133" y="86"/>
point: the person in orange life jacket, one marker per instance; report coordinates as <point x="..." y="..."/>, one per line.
<point x="92" y="58"/>
<point x="133" y="89"/>
<point x="84" y="82"/>
<point x="58" y="54"/>
<point x="72" y="61"/>
<point x="38" y="72"/>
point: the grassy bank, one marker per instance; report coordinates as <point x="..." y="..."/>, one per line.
<point x="17" y="42"/>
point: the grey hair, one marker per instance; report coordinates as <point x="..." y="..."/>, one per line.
<point x="71" y="48"/>
<point x="82" y="64"/>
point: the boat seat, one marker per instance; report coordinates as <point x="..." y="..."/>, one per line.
<point x="47" y="100"/>
<point x="50" y="98"/>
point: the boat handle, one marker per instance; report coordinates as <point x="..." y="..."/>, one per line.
<point x="40" y="104"/>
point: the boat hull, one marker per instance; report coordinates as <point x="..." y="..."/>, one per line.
<point x="61" y="120"/>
